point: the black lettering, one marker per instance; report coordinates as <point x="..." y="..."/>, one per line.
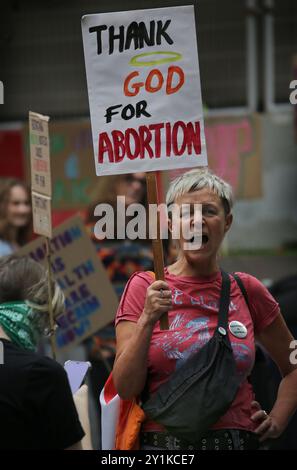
<point x="149" y="40"/>
<point x="109" y="112"/>
<point x="161" y="32"/>
<point x="141" y="109"/>
<point x="113" y="37"/>
<point x="98" y="30"/>
<point x="132" y="34"/>
<point x="128" y="112"/>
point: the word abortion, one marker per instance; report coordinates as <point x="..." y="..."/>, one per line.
<point x="146" y="141"/>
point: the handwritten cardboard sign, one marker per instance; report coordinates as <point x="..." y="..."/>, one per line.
<point x="40" y="154"/>
<point x="42" y="214"/>
<point x="144" y="90"/>
<point x="41" y="185"/>
<point x="90" y="302"/>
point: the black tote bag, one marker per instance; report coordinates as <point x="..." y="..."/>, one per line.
<point x="203" y="388"/>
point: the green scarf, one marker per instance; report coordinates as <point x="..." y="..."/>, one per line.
<point x="17" y="322"/>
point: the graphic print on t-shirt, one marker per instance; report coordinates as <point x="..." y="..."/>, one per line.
<point x="187" y="335"/>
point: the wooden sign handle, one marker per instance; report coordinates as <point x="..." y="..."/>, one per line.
<point x="152" y="198"/>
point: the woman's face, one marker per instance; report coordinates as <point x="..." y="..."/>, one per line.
<point x="213" y="222"/>
<point x="18" y="207"/>
<point x="132" y="186"/>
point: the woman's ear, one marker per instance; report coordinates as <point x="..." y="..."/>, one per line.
<point x="228" y="221"/>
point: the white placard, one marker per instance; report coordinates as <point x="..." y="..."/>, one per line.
<point x="144" y="90"/>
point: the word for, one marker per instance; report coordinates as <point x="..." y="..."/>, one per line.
<point x="177" y="139"/>
<point x="136" y="33"/>
<point x="128" y="112"/>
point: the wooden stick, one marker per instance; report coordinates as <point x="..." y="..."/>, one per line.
<point x="152" y="198"/>
<point x="50" y="298"/>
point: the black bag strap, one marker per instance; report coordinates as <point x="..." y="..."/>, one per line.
<point x="224" y="301"/>
<point x="242" y="288"/>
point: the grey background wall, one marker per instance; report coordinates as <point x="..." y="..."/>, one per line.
<point x="272" y="220"/>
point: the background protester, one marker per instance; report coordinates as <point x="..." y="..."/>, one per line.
<point x="121" y="258"/>
<point x="37" y="410"/>
<point x="15" y="215"/>
<point x="147" y="357"/>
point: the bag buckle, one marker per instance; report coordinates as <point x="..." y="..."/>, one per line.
<point x="175" y="443"/>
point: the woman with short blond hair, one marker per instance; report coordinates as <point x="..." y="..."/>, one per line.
<point x="147" y="356"/>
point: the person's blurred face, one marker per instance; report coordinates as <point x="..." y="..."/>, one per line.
<point x="213" y="222"/>
<point x="18" y="207"/>
<point x="132" y="186"/>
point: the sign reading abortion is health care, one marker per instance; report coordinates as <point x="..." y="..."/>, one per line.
<point x="90" y="299"/>
<point x="144" y="90"/>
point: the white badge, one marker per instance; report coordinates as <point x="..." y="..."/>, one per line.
<point x="238" y="329"/>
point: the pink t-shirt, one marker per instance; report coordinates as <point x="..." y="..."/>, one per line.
<point x="192" y="321"/>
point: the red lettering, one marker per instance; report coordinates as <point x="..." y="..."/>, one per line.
<point x="104" y="145"/>
<point x="145" y="139"/>
<point x="148" y="83"/>
<point x="176" y="137"/>
<point x="129" y="133"/>
<point x="135" y="87"/>
<point x="171" y="70"/>
<point x="157" y="128"/>
<point x="119" y="145"/>
<point x="168" y="139"/>
<point x="193" y="138"/>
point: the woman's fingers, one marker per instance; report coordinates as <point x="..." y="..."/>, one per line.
<point x="259" y="415"/>
<point x="256" y="405"/>
<point x="157" y="285"/>
<point x="263" y="426"/>
<point x="264" y="430"/>
<point x="165" y="294"/>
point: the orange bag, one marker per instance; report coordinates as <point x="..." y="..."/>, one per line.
<point x="129" y="424"/>
<point x="131" y="417"/>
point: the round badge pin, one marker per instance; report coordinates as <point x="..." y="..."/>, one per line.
<point x="238" y="329"/>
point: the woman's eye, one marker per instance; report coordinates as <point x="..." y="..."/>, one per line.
<point x="209" y="211"/>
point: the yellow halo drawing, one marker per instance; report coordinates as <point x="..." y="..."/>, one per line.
<point x="173" y="57"/>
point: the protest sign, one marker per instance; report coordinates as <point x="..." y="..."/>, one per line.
<point x="90" y="299"/>
<point x="40" y="154"/>
<point x="144" y="90"/>
<point x="42" y="214"/>
<point x="41" y="185"/>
